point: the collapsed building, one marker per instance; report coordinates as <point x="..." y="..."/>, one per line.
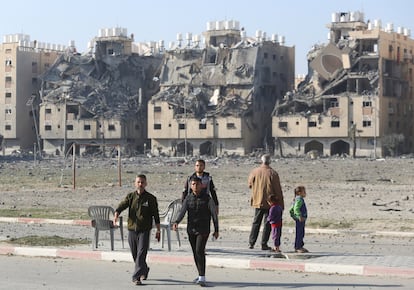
<point x="97" y="100"/>
<point x="357" y="97"/>
<point x="219" y="99"/>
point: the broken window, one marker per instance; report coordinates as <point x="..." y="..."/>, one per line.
<point x="202" y="126"/>
<point x="335" y="124"/>
<point x="48" y="111"/>
<point x="283" y="125"/>
<point x="181" y="126"/>
<point x="367" y="104"/>
<point x="69" y="127"/>
<point x="111" y="127"/>
<point x="157" y="109"/>
<point x="8" y="95"/>
<point x="157" y="126"/>
<point x="48" y="127"/>
<point x="8" y="111"/>
<point x="8" y="62"/>
<point x="231" y="126"/>
<point x="8" y="50"/>
<point x="311" y="124"/>
<point x="366" y="123"/>
<point x="7" y="127"/>
<point x="87" y="127"/>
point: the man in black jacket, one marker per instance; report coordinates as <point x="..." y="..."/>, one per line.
<point x="206" y="182"/>
<point x="200" y="209"/>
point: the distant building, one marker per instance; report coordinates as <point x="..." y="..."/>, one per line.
<point x="97" y="101"/>
<point x="358" y="97"/>
<point x="219" y="99"/>
<point x="21" y="62"/>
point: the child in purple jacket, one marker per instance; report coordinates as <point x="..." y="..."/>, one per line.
<point x="275" y="220"/>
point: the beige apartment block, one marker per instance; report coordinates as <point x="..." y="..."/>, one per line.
<point x="358" y="99"/>
<point x="218" y="99"/>
<point x="21" y="62"/>
<point x="96" y="102"/>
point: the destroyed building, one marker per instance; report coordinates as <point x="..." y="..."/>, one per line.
<point x="219" y="99"/>
<point x="97" y="100"/>
<point x="357" y="98"/>
<point x="21" y="61"/>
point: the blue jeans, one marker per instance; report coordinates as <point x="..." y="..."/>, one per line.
<point x="300" y="234"/>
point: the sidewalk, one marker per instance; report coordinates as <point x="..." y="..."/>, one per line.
<point x="231" y="252"/>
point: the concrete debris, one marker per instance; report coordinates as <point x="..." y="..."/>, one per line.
<point x="105" y="86"/>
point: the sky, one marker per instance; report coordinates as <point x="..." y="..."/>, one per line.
<point x="301" y="22"/>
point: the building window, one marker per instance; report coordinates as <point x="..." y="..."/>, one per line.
<point x="136" y="127"/>
<point x="202" y="126"/>
<point x="157" y="109"/>
<point x="265" y="55"/>
<point x="334" y="104"/>
<point x="367" y="104"/>
<point x="111" y="51"/>
<point x="48" y="127"/>
<point x="231" y="126"/>
<point x="8" y="79"/>
<point x="181" y="126"/>
<point x="87" y="127"/>
<point x="8" y="95"/>
<point x="48" y="111"/>
<point x="8" y="111"/>
<point x="8" y="50"/>
<point x="69" y="127"/>
<point x="311" y="124"/>
<point x="34" y="67"/>
<point x="157" y="126"/>
<point x="283" y="125"/>
<point x="8" y="62"/>
<point x="335" y="124"/>
<point x="366" y="123"/>
<point x="7" y="127"/>
<point x="111" y="127"/>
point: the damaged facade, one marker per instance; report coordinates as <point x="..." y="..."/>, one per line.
<point x="357" y="98"/>
<point x="21" y="61"/>
<point x="219" y="99"/>
<point x="98" y="100"/>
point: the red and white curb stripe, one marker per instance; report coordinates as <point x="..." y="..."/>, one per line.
<point x="258" y="264"/>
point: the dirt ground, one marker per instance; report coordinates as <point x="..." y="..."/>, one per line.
<point x="345" y="193"/>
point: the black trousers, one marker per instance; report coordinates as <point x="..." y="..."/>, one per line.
<point x="259" y="216"/>
<point x="198" y="245"/>
<point x="139" y="243"/>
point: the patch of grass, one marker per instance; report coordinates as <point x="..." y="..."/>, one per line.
<point x="49" y="213"/>
<point x="47" y="241"/>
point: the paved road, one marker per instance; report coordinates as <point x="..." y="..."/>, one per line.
<point x="45" y="273"/>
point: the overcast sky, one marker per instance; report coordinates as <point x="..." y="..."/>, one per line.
<point x="301" y="22"/>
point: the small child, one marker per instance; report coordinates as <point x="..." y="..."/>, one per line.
<point x="275" y="220"/>
<point x="299" y="213"/>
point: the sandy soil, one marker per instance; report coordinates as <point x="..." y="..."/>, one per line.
<point x="357" y="194"/>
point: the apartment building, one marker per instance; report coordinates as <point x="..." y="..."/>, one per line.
<point x="96" y="102"/>
<point x="358" y="97"/>
<point x="219" y="99"/>
<point x="21" y="62"/>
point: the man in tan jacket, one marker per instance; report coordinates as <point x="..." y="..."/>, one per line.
<point x="263" y="181"/>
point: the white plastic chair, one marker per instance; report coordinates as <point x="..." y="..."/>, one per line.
<point x="102" y="220"/>
<point x="166" y="219"/>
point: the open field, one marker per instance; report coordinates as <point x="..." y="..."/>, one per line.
<point x="358" y="194"/>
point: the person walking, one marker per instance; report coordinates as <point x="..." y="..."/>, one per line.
<point x="142" y="211"/>
<point x="275" y="220"/>
<point x="206" y="182"/>
<point x="263" y="181"/>
<point x="299" y="213"/>
<point x="200" y="209"/>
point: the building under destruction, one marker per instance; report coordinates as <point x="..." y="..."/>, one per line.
<point x="97" y="100"/>
<point x="219" y="99"/>
<point x="357" y="98"/>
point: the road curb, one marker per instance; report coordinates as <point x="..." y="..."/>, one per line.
<point x="236" y="263"/>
